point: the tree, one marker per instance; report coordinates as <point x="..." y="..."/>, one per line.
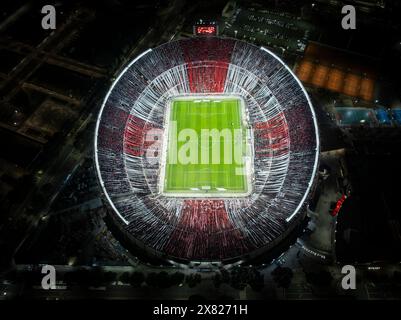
<point x="239" y="278"/>
<point x="163" y="280"/>
<point x="322" y="278"/>
<point x="196" y="297"/>
<point x="24" y="185"/>
<point x="225" y="297"/>
<point x="256" y="280"/>
<point x="397" y="277"/>
<point x="80" y="277"/>
<point x="225" y="276"/>
<point x="137" y="278"/>
<point x="177" y="278"/>
<point x="96" y="277"/>
<point x="282" y="276"/>
<point x="11" y="275"/>
<point x="38" y="200"/>
<point x="217" y="280"/>
<point x="110" y="276"/>
<point x="193" y="279"/>
<point x="151" y="279"/>
<point x="125" y="277"/>
<point x="47" y="188"/>
<point x="32" y="278"/>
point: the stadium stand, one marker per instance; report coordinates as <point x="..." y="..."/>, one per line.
<point x="130" y="130"/>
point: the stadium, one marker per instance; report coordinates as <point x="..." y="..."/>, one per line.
<point x="206" y="149"/>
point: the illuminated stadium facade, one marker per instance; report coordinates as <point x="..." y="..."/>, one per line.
<point x="205" y="220"/>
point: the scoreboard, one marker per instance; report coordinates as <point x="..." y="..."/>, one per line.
<point x="206" y="29"/>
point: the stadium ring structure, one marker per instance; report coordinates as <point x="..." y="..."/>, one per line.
<point x="286" y="150"/>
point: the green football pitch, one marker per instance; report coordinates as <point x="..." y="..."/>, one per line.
<point x="203" y="136"/>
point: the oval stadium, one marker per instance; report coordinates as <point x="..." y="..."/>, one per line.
<point x="206" y="149"/>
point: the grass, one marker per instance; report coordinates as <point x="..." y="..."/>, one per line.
<point x="205" y="175"/>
